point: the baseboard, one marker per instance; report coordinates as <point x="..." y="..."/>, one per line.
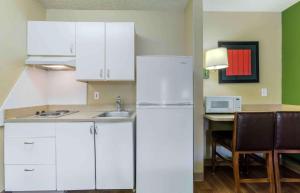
<point x="198" y="177"/>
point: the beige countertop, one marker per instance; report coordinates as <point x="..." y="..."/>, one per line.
<point x="252" y="108"/>
<point x="219" y="117"/>
<point x="83" y="114"/>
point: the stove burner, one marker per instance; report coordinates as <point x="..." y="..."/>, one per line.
<point x="50" y="114"/>
<point x="62" y="111"/>
<point x="54" y="114"/>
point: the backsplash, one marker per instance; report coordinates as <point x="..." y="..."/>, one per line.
<point x="110" y="90"/>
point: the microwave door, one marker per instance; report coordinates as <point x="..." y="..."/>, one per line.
<point x="220" y="106"/>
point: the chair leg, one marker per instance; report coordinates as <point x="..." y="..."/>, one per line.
<point x="213" y="159"/>
<point x="236" y="170"/>
<point x="270" y="172"/>
<point x="277" y="171"/>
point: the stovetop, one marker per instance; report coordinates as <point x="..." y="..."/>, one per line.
<point x="53" y="114"/>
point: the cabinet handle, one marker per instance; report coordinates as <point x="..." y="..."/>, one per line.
<point x="28" y="170"/>
<point x="28" y="143"/>
<point x="71" y="48"/>
<point x="91" y="130"/>
<point x="108" y="73"/>
<point x="101" y="73"/>
<point x="96" y="130"/>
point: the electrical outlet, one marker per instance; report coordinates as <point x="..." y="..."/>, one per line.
<point x="96" y="95"/>
<point x="264" y="92"/>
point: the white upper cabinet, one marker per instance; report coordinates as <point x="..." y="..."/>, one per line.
<point x="120" y="51"/>
<point x="51" y="38"/>
<point x="105" y="51"/>
<point x="90" y="46"/>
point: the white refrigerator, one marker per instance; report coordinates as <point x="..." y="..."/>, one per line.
<point x="164" y="124"/>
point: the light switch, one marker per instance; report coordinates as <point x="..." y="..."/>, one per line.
<point x="264" y="92"/>
<point x="96" y="95"/>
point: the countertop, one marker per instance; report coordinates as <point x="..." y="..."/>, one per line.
<point x="219" y="117"/>
<point x="253" y="108"/>
<point x="84" y="114"/>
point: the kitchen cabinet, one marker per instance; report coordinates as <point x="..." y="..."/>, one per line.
<point x="29" y="157"/>
<point x="114" y="144"/>
<point x="105" y="51"/>
<point x="46" y="38"/>
<point x="120" y="51"/>
<point x="90" y="46"/>
<point x="75" y="156"/>
<point x="69" y="156"/>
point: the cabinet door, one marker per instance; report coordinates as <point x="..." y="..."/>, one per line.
<point x="120" y="51"/>
<point x="51" y="38"/>
<point x="75" y="156"/>
<point x="114" y="155"/>
<point x="90" y="48"/>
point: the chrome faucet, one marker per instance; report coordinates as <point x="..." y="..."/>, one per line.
<point x="118" y="104"/>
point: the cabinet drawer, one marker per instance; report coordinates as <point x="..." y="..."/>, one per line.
<point x="19" y="150"/>
<point x="29" y="130"/>
<point x="29" y="178"/>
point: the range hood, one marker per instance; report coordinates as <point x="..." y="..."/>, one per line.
<point x="52" y="62"/>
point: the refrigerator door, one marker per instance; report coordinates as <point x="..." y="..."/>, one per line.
<point x="164" y="80"/>
<point x="164" y="149"/>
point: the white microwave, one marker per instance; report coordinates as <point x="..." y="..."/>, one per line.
<point x="223" y="104"/>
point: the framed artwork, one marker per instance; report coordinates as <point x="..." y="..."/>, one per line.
<point x="243" y="59"/>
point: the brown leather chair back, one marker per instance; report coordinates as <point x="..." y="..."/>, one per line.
<point x="287" y="134"/>
<point x="254" y="131"/>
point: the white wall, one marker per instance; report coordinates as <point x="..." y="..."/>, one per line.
<point x="29" y="90"/>
<point x="198" y="88"/>
<point x="37" y="87"/>
<point x="63" y="89"/>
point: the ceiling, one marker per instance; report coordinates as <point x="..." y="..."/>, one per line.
<point x="208" y="5"/>
<point x="248" y="5"/>
<point x="115" y="4"/>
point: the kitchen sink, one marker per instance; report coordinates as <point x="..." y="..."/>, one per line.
<point x="115" y="114"/>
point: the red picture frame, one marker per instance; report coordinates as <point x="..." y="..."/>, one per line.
<point x="243" y="59"/>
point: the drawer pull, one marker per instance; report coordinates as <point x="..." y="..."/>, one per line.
<point x="28" y="143"/>
<point x="28" y="170"/>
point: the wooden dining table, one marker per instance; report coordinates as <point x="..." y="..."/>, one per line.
<point x="221" y="122"/>
<point x="216" y="122"/>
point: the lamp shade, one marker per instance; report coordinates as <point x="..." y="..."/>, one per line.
<point x="216" y="59"/>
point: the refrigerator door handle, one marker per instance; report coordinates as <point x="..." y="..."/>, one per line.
<point x="148" y="104"/>
<point x="166" y="104"/>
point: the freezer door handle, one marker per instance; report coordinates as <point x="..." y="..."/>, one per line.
<point x="167" y="104"/>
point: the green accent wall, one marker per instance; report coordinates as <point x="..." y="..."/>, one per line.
<point x="291" y="57"/>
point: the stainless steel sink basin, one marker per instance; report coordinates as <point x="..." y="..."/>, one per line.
<point x="115" y="114"/>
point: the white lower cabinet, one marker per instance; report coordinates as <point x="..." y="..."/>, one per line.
<point x="69" y="156"/>
<point x="114" y="155"/>
<point x="29" y="157"/>
<point x="75" y="156"/>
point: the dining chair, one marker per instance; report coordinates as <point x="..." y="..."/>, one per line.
<point x="287" y="141"/>
<point x="253" y="133"/>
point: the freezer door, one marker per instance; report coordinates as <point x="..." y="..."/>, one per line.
<point x="164" y="150"/>
<point x="164" y="80"/>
